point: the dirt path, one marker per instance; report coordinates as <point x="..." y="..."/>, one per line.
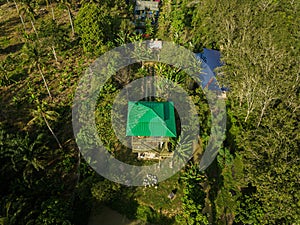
<point x="108" y="216"/>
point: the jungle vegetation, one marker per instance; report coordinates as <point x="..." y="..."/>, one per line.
<point x="46" y="45"/>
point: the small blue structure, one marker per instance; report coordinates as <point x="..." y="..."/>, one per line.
<point x="210" y="60"/>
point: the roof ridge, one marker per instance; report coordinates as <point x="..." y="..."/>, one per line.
<point x="164" y="122"/>
<point x="146" y="111"/>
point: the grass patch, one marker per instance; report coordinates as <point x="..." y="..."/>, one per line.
<point x="158" y="198"/>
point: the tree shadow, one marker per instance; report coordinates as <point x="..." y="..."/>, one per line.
<point x="11" y="48"/>
<point x="159" y="219"/>
<point x="7" y="26"/>
<point x="125" y="203"/>
<point x="217" y="182"/>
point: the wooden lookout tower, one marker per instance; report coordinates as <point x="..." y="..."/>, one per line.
<point x="151" y="124"/>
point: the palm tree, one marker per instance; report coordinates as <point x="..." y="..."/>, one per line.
<point x="21" y="17"/>
<point x="49" y="3"/>
<point x="27" y="9"/>
<point x="34" y="61"/>
<point x="68" y="5"/>
<point x="28" y="152"/>
<point x="52" y="35"/>
<point x="41" y="114"/>
<point x="25" y="154"/>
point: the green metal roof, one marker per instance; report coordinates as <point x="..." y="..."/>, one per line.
<point x="151" y="119"/>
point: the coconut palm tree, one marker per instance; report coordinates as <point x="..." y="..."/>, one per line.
<point x="34" y="61"/>
<point x="20" y="15"/>
<point x="42" y="115"/>
<point x="27" y="10"/>
<point x="49" y="3"/>
<point x="68" y="5"/>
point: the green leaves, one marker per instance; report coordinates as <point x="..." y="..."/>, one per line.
<point x="23" y="154"/>
<point x="174" y="22"/>
<point x="28" y="170"/>
<point x="250" y="211"/>
<point x="98" y="26"/>
<point x="194" y="197"/>
<point x="260" y="65"/>
<point x="105" y="190"/>
<point x="41" y="113"/>
<point x="55" y="211"/>
<point x="53" y="34"/>
<point x="228" y="185"/>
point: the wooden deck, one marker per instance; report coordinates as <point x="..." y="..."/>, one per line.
<point x="151" y="147"/>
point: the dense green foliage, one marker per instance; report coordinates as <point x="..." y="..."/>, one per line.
<point x="99" y="25"/>
<point x="193" y="200"/>
<point x="46" y="45"/>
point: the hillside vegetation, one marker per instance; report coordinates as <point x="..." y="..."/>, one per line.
<point x="45" y="46"/>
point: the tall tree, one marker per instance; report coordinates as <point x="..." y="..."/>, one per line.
<point x="98" y="26"/>
<point x="41" y="114"/>
<point x="259" y="51"/>
<point x="34" y="59"/>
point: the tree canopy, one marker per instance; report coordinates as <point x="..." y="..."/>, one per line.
<point x="45" y="46"/>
